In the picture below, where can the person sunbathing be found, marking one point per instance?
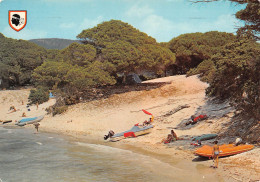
(13, 109)
(194, 119)
(170, 138)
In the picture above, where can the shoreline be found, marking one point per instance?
(89, 122)
(182, 159)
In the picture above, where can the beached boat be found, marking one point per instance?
(204, 137)
(6, 121)
(133, 132)
(224, 150)
(26, 121)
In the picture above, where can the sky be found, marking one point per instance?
(161, 19)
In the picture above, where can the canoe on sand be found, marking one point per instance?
(6, 121)
(133, 132)
(224, 150)
(26, 121)
(204, 137)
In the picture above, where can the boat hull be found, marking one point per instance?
(136, 130)
(34, 120)
(224, 150)
(204, 137)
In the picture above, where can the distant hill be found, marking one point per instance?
(53, 43)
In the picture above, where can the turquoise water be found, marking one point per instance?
(44, 157)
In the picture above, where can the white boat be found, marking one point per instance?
(133, 132)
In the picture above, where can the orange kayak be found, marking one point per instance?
(224, 150)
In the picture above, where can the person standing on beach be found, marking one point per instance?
(36, 126)
(215, 153)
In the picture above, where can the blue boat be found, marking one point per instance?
(26, 121)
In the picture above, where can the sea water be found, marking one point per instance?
(44, 157)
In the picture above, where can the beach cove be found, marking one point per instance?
(89, 122)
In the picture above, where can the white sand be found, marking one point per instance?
(120, 112)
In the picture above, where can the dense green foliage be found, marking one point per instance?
(113, 30)
(191, 49)
(108, 50)
(233, 72)
(38, 95)
(236, 75)
(59, 110)
(18, 59)
(74, 67)
(125, 49)
(206, 70)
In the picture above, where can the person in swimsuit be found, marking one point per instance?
(36, 125)
(215, 153)
(174, 135)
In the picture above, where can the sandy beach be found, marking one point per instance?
(92, 120)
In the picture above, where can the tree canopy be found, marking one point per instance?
(18, 59)
(114, 30)
(191, 49)
(108, 49)
(126, 48)
(74, 66)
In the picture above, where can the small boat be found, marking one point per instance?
(26, 121)
(204, 137)
(224, 150)
(6, 121)
(133, 132)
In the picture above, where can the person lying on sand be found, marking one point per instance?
(169, 139)
(13, 109)
(23, 115)
(196, 144)
(195, 119)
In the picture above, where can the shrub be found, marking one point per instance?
(39, 95)
(59, 110)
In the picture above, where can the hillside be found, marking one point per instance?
(53, 43)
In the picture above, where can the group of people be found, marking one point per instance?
(215, 152)
(13, 109)
(170, 138)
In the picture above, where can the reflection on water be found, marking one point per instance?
(42, 157)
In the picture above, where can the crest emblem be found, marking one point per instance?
(17, 19)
